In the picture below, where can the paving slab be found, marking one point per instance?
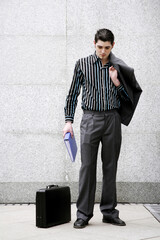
(18, 223)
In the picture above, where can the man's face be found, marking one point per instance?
(103, 49)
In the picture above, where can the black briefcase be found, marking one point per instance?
(53, 206)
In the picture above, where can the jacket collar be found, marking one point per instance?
(118, 63)
(114, 61)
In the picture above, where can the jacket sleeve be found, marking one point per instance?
(74, 91)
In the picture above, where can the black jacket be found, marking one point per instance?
(127, 78)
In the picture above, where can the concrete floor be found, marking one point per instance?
(17, 222)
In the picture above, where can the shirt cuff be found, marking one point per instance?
(68, 118)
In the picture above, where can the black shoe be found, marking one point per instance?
(80, 223)
(115, 221)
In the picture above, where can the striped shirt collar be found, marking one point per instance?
(113, 60)
(97, 59)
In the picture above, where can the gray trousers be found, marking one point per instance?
(96, 127)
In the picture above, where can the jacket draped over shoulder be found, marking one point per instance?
(127, 78)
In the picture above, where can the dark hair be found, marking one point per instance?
(104, 35)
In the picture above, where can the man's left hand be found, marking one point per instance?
(113, 75)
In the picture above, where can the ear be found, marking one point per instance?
(113, 44)
(94, 43)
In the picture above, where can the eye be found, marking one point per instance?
(107, 48)
(99, 47)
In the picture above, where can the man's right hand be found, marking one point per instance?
(68, 128)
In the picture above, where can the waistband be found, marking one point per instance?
(100, 112)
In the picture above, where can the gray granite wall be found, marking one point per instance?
(40, 40)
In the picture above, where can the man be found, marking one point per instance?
(110, 94)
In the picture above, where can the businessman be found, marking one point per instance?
(110, 94)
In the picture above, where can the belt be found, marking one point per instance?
(100, 112)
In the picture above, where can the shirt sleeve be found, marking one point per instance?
(122, 93)
(74, 91)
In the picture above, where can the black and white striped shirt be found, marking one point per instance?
(98, 91)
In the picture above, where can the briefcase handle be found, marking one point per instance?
(51, 186)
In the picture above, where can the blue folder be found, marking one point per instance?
(71, 146)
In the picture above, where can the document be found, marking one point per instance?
(71, 146)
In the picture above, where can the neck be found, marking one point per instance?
(104, 61)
